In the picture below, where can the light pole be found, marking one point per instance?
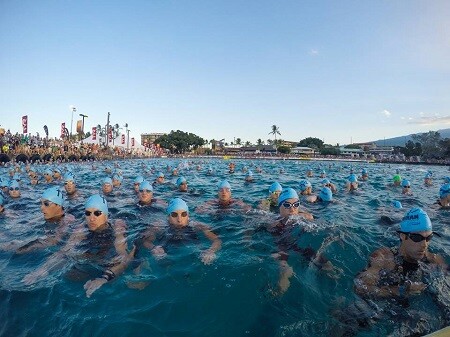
(128, 134)
(82, 125)
(74, 109)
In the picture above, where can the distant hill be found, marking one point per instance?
(400, 141)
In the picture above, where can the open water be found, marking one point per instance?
(233, 296)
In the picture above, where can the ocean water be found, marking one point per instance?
(234, 296)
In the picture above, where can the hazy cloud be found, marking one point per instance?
(431, 120)
(386, 113)
(313, 52)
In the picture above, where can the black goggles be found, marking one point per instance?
(96, 213)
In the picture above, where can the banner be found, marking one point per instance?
(24, 124)
(123, 139)
(110, 134)
(79, 126)
(94, 133)
(63, 128)
(132, 142)
(46, 130)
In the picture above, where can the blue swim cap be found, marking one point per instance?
(303, 184)
(288, 193)
(364, 171)
(447, 180)
(138, 180)
(275, 187)
(428, 175)
(397, 204)
(16, 176)
(107, 180)
(224, 184)
(98, 202)
(352, 178)
(48, 171)
(326, 181)
(177, 204)
(444, 190)
(160, 175)
(326, 194)
(13, 184)
(53, 194)
(249, 173)
(69, 177)
(405, 183)
(415, 220)
(181, 180)
(4, 182)
(145, 185)
(117, 177)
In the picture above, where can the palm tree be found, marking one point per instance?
(238, 141)
(259, 142)
(275, 131)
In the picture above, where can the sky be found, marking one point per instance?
(341, 71)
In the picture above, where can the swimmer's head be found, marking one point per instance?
(138, 180)
(96, 201)
(224, 184)
(444, 191)
(352, 178)
(107, 181)
(287, 193)
(69, 177)
(326, 194)
(181, 180)
(303, 185)
(145, 186)
(397, 204)
(326, 181)
(406, 183)
(177, 204)
(415, 220)
(397, 178)
(275, 187)
(53, 194)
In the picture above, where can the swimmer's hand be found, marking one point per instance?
(92, 285)
(158, 252)
(208, 256)
(35, 276)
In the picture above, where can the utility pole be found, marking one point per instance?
(128, 134)
(74, 109)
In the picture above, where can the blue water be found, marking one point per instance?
(233, 296)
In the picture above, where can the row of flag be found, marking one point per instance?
(63, 131)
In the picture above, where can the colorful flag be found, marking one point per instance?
(63, 129)
(132, 142)
(24, 124)
(123, 139)
(94, 133)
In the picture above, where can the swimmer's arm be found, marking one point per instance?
(48, 241)
(264, 205)
(56, 260)
(438, 260)
(216, 242)
(306, 214)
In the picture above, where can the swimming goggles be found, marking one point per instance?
(287, 204)
(416, 237)
(96, 213)
(175, 214)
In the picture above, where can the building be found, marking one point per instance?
(303, 151)
(149, 138)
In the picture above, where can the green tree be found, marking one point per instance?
(314, 143)
(284, 149)
(238, 141)
(411, 149)
(430, 143)
(179, 141)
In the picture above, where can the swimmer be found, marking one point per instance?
(180, 228)
(137, 181)
(398, 272)
(69, 184)
(444, 196)
(103, 244)
(330, 185)
(249, 177)
(305, 187)
(364, 175)
(428, 181)
(182, 184)
(352, 183)
(271, 202)
(224, 200)
(107, 186)
(406, 187)
(325, 195)
(146, 196)
(14, 189)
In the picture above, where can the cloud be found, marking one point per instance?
(386, 113)
(313, 52)
(431, 120)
